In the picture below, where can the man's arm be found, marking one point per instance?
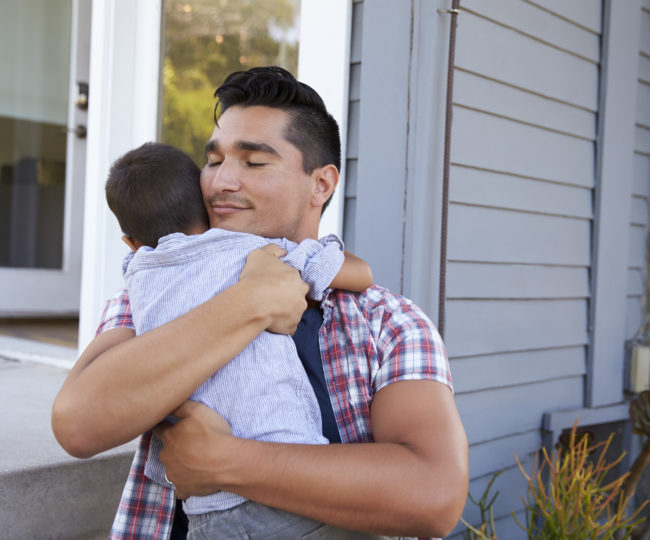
(122, 385)
(411, 481)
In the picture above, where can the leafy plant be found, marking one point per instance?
(486, 530)
(569, 496)
(575, 502)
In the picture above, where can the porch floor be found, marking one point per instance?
(54, 331)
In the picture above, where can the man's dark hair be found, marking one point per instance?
(311, 129)
(154, 191)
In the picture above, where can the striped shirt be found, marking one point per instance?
(263, 393)
(368, 340)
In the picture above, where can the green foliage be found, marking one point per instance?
(570, 496)
(576, 502)
(486, 530)
(206, 40)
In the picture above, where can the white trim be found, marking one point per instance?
(324, 64)
(123, 112)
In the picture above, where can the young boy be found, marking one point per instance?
(177, 263)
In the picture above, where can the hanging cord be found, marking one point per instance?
(454, 11)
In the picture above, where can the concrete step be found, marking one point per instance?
(44, 492)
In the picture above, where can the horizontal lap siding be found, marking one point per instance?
(641, 184)
(520, 220)
(492, 326)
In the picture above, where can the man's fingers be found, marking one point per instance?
(185, 410)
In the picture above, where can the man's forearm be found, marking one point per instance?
(412, 481)
(126, 384)
(380, 488)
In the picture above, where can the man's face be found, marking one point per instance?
(254, 181)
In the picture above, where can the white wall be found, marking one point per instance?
(323, 57)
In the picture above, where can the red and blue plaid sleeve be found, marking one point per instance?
(411, 349)
(146, 509)
(117, 313)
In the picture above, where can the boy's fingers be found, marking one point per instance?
(186, 409)
(161, 429)
(274, 249)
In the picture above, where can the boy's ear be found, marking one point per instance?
(132, 243)
(326, 180)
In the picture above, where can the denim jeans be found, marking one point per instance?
(255, 521)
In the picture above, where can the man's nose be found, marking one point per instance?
(225, 177)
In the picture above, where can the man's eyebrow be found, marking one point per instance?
(211, 146)
(257, 147)
(249, 146)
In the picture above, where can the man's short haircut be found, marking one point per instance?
(154, 190)
(311, 129)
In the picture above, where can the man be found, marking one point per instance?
(376, 362)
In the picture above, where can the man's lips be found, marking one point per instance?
(226, 208)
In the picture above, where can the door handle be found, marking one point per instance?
(80, 131)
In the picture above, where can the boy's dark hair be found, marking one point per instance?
(154, 191)
(311, 129)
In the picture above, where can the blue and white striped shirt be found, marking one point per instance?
(263, 393)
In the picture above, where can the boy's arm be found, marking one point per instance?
(355, 274)
(123, 384)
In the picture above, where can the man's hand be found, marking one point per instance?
(189, 445)
(282, 292)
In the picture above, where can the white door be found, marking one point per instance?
(44, 57)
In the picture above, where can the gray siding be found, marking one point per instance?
(351, 154)
(641, 182)
(526, 100)
(526, 204)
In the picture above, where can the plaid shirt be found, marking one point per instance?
(367, 341)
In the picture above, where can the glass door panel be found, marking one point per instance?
(43, 61)
(33, 115)
(204, 41)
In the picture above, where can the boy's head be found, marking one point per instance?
(311, 129)
(154, 191)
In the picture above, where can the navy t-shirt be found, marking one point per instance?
(306, 340)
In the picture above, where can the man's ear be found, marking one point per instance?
(131, 242)
(325, 181)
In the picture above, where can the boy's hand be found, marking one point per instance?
(279, 290)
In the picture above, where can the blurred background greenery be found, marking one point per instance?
(206, 40)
